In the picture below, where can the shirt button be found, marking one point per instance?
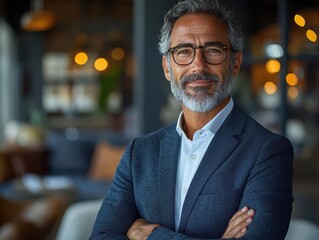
(185, 190)
(193, 156)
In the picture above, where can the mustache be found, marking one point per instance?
(199, 76)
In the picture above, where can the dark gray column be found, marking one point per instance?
(283, 17)
(31, 54)
(150, 85)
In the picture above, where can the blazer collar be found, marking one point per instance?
(224, 142)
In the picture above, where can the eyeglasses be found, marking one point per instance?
(214, 53)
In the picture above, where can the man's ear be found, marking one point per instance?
(165, 66)
(237, 63)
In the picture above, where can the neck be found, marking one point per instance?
(194, 121)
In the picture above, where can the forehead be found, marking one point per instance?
(198, 28)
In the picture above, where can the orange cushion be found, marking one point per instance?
(106, 158)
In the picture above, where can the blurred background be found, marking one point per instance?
(80, 78)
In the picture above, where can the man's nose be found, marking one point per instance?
(199, 61)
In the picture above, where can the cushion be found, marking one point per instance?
(106, 158)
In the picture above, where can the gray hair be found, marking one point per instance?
(212, 7)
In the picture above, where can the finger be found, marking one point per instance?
(135, 225)
(233, 221)
(241, 228)
(239, 223)
(241, 233)
(237, 231)
(241, 217)
(240, 212)
(138, 222)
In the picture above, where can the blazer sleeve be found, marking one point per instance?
(269, 190)
(118, 210)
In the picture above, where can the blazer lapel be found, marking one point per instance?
(169, 152)
(224, 142)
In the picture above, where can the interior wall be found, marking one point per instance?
(150, 86)
(8, 77)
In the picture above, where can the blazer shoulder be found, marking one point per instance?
(158, 135)
(264, 135)
(255, 129)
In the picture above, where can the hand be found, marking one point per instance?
(140, 230)
(237, 226)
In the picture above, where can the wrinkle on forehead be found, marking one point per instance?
(199, 28)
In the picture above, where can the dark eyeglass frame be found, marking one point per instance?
(225, 47)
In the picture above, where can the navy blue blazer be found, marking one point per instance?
(245, 164)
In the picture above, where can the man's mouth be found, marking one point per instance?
(199, 80)
(199, 83)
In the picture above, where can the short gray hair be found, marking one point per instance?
(212, 7)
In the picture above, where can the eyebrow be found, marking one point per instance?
(206, 43)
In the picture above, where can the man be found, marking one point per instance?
(217, 173)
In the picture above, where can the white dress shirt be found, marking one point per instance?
(191, 154)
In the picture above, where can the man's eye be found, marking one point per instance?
(183, 51)
(213, 51)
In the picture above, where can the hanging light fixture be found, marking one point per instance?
(37, 19)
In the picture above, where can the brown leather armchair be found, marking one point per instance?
(31, 219)
(36, 218)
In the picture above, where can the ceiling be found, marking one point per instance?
(96, 17)
(69, 11)
(255, 13)
(99, 19)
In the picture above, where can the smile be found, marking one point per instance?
(199, 83)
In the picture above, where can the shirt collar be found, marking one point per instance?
(214, 124)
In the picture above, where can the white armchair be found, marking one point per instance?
(302, 229)
(78, 220)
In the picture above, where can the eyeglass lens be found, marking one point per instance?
(213, 54)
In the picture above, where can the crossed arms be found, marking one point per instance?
(237, 227)
(266, 190)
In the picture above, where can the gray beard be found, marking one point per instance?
(202, 101)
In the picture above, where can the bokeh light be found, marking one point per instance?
(100, 64)
(270, 88)
(273, 66)
(292, 79)
(118, 53)
(274, 51)
(311, 35)
(299, 20)
(293, 92)
(81, 58)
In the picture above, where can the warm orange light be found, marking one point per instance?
(37, 20)
(273, 66)
(293, 92)
(311, 35)
(81, 58)
(118, 54)
(100, 64)
(292, 79)
(270, 88)
(299, 20)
